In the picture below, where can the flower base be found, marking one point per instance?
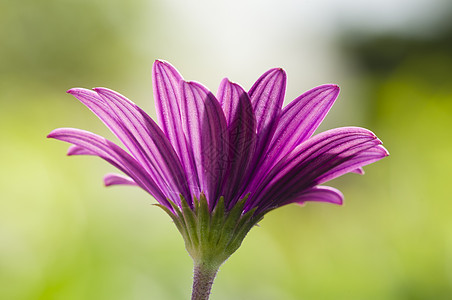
(210, 236)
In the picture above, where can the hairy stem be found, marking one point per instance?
(202, 281)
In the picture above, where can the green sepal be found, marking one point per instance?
(195, 205)
(211, 236)
(175, 219)
(203, 220)
(190, 222)
(231, 222)
(217, 221)
(243, 227)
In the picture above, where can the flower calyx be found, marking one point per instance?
(211, 236)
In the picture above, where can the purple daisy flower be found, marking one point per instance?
(218, 164)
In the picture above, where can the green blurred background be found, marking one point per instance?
(64, 236)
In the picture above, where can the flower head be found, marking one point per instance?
(217, 164)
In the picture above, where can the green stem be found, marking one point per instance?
(203, 277)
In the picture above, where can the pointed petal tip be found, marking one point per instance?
(194, 84)
(335, 88)
(72, 150)
(225, 80)
(100, 89)
(328, 86)
(322, 194)
(77, 150)
(111, 179)
(369, 132)
(274, 72)
(159, 63)
(385, 151)
(339, 201)
(105, 91)
(75, 91)
(51, 134)
(278, 70)
(359, 171)
(107, 181)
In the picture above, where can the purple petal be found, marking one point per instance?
(362, 159)
(359, 171)
(320, 194)
(150, 142)
(166, 94)
(77, 150)
(241, 124)
(99, 107)
(117, 179)
(299, 120)
(113, 154)
(166, 81)
(267, 97)
(301, 168)
(205, 128)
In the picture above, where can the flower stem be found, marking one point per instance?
(203, 276)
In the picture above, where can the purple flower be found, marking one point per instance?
(217, 164)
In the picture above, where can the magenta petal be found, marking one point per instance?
(267, 97)
(301, 168)
(359, 171)
(364, 158)
(150, 142)
(139, 134)
(299, 120)
(320, 194)
(77, 150)
(205, 128)
(166, 81)
(98, 106)
(117, 179)
(167, 98)
(112, 154)
(242, 137)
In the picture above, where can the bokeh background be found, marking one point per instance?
(64, 236)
